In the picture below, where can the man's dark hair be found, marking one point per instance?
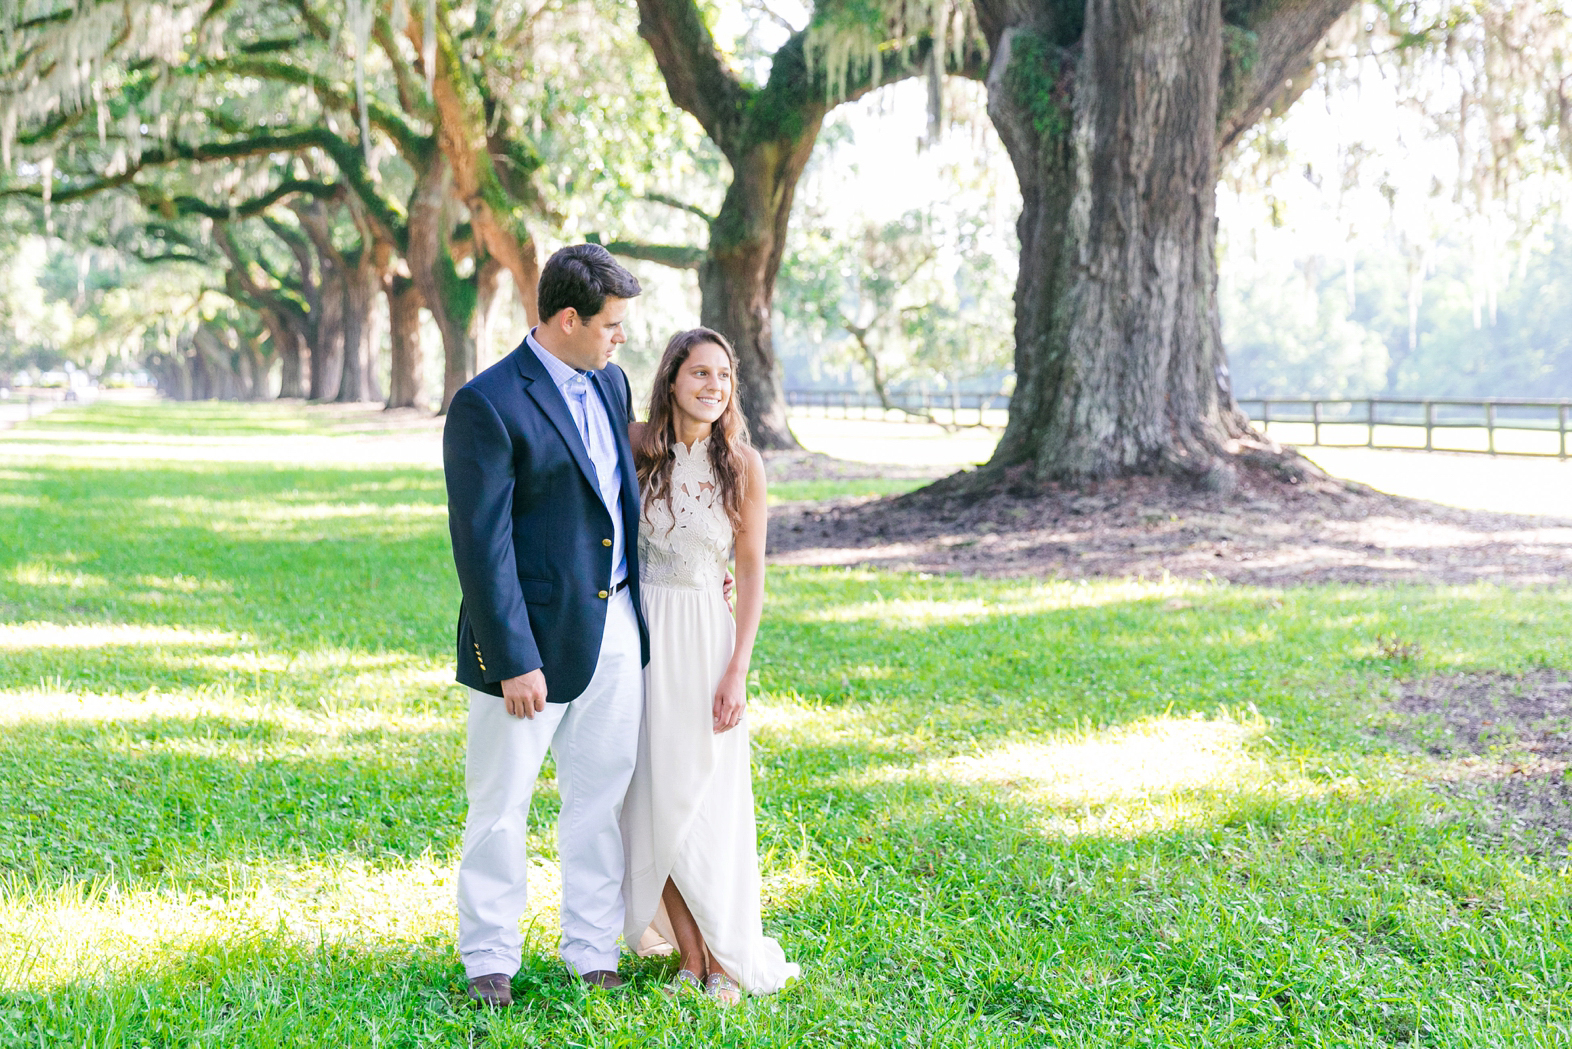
(582, 276)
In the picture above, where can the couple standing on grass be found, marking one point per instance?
(591, 551)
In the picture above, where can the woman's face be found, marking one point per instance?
(703, 386)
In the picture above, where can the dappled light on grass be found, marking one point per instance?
(53, 575)
(1010, 813)
(1152, 775)
(95, 928)
(32, 636)
(1020, 599)
(262, 516)
(194, 714)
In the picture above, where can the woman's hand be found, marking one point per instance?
(731, 699)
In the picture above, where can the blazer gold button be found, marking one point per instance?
(605, 542)
(604, 594)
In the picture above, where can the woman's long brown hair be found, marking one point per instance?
(653, 456)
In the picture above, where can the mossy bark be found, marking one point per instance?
(737, 277)
(449, 297)
(1111, 116)
(406, 359)
(767, 134)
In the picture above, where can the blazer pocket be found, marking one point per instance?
(537, 591)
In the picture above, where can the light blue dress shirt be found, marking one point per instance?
(589, 414)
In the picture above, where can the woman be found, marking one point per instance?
(687, 825)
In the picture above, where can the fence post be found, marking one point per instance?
(1430, 423)
(1315, 418)
(1490, 425)
(1370, 423)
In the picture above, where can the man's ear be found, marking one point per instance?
(568, 319)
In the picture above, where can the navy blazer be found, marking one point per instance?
(531, 534)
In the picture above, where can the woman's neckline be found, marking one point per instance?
(689, 449)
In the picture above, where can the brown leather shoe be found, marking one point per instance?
(605, 979)
(493, 989)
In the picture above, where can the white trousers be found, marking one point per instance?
(595, 741)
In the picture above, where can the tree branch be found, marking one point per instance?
(348, 158)
(189, 205)
(390, 123)
(674, 255)
(1270, 47)
(170, 256)
(695, 75)
(673, 202)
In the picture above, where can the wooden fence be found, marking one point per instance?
(947, 409)
(1491, 425)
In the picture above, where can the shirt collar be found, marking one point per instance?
(559, 370)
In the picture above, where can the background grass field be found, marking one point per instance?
(992, 813)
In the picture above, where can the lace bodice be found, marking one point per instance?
(685, 546)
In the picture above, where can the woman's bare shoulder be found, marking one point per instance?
(753, 462)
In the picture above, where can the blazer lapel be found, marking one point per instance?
(544, 392)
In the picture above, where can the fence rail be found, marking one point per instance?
(1490, 425)
(947, 409)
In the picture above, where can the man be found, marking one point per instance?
(543, 505)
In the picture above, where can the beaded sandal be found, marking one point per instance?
(685, 980)
(723, 989)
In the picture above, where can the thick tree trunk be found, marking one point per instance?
(295, 353)
(488, 281)
(737, 277)
(1119, 359)
(258, 368)
(214, 364)
(290, 348)
(362, 282)
(450, 298)
(331, 315)
(1113, 116)
(327, 337)
(462, 135)
(407, 361)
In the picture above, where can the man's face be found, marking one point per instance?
(590, 341)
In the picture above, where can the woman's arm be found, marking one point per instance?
(731, 697)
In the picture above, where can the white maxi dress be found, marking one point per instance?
(689, 810)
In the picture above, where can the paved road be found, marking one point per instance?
(16, 410)
(1508, 484)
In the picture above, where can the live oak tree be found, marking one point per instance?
(174, 100)
(767, 132)
(162, 107)
(1114, 113)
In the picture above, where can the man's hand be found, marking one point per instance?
(728, 588)
(525, 695)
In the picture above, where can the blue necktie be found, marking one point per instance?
(578, 386)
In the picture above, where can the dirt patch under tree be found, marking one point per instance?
(1263, 531)
(1506, 747)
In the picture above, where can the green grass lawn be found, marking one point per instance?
(800, 491)
(992, 813)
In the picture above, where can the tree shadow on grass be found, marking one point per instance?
(285, 559)
(146, 799)
(925, 898)
(938, 908)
